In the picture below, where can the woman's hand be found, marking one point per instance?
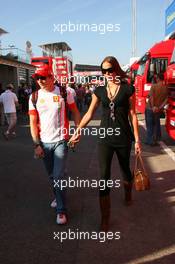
(39, 152)
(74, 139)
(138, 149)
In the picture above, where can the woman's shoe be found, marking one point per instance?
(128, 193)
(105, 212)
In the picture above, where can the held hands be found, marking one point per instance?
(74, 139)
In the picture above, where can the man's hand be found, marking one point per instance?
(39, 152)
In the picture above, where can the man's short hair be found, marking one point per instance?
(10, 86)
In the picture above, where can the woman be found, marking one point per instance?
(118, 105)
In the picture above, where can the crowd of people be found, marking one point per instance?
(82, 94)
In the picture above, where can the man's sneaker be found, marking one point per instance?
(53, 204)
(61, 219)
(6, 135)
(13, 134)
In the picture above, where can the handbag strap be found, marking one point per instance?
(139, 159)
(136, 161)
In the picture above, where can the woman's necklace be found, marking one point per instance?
(111, 97)
(111, 104)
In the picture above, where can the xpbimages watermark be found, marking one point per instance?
(85, 27)
(101, 132)
(81, 183)
(82, 235)
(63, 79)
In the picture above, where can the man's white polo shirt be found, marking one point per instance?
(8, 98)
(53, 121)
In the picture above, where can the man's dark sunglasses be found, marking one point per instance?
(39, 77)
(109, 70)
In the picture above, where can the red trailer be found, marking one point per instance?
(170, 113)
(132, 72)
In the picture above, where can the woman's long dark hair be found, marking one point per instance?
(116, 66)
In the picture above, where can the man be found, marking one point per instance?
(156, 101)
(70, 89)
(49, 129)
(2, 117)
(9, 101)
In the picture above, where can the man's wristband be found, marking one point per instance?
(36, 144)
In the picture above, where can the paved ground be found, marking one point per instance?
(27, 223)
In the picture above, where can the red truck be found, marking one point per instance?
(132, 72)
(170, 113)
(57, 57)
(153, 62)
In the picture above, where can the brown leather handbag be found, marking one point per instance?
(141, 179)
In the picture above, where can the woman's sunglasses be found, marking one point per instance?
(38, 77)
(109, 70)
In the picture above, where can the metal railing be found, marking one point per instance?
(15, 54)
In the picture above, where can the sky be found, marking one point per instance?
(40, 22)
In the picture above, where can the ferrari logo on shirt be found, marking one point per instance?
(56, 98)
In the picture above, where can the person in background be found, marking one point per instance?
(157, 99)
(118, 104)
(2, 117)
(88, 97)
(80, 97)
(21, 98)
(70, 88)
(9, 101)
(1, 90)
(26, 92)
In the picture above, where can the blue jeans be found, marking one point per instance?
(55, 163)
(157, 127)
(153, 128)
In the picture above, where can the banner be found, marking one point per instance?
(170, 19)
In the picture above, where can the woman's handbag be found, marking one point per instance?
(141, 179)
